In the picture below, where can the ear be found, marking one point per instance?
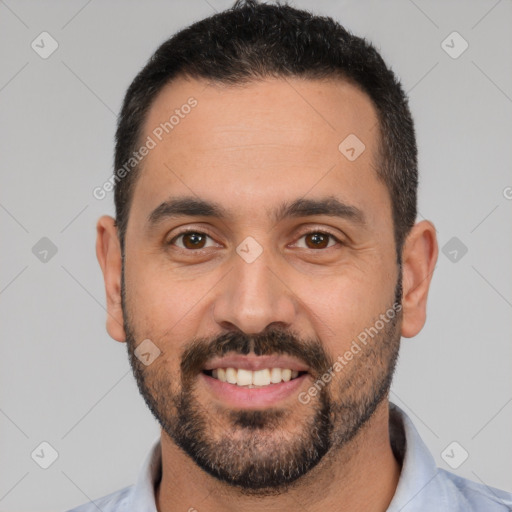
(108, 251)
(419, 257)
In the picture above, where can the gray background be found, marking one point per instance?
(64, 381)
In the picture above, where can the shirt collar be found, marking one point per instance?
(418, 466)
(143, 493)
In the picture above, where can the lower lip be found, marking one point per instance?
(251, 398)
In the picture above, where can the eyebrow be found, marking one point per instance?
(194, 207)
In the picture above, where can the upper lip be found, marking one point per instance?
(254, 362)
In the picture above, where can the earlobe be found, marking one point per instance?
(419, 257)
(108, 252)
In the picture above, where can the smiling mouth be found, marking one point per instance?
(254, 378)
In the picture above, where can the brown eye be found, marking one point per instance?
(194, 240)
(190, 240)
(318, 240)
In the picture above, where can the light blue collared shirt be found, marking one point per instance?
(422, 486)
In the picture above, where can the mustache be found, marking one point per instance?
(271, 341)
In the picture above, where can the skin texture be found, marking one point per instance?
(250, 148)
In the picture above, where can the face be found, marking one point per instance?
(256, 254)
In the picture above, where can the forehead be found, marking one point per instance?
(259, 142)
(315, 112)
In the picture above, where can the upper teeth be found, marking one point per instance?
(263, 377)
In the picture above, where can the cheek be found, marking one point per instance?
(155, 296)
(166, 310)
(347, 305)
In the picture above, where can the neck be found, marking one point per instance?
(362, 475)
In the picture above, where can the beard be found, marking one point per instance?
(264, 451)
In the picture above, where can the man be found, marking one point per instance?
(262, 267)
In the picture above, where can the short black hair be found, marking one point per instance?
(253, 41)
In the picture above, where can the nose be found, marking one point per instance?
(255, 295)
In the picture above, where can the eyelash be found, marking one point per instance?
(195, 231)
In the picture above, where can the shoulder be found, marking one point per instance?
(114, 502)
(473, 496)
